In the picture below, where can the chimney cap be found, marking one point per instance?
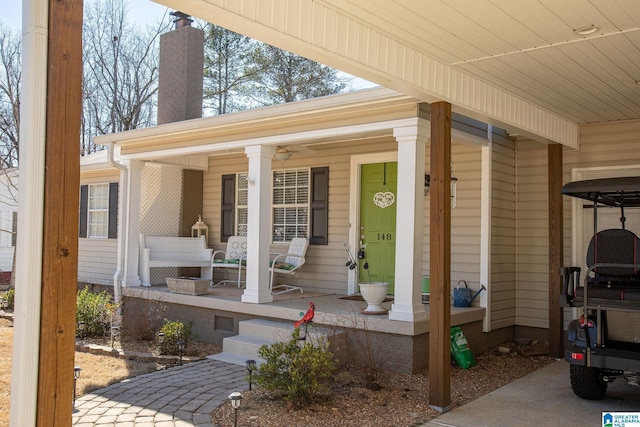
(182, 19)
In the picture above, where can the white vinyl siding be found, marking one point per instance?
(97, 260)
(503, 231)
(324, 269)
(602, 145)
(97, 257)
(533, 236)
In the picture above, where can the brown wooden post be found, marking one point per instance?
(556, 336)
(60, 233)
(440, 258)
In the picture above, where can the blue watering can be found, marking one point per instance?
(463, 296)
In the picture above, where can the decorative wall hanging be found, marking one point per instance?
(385, 198)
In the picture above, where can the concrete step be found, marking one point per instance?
(266, 329)
(279, 330)
(255, 333)
(244, 346)
(233, 358)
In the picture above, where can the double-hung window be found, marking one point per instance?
(242, 210)
(299, 205)
(290, 205)
(99, 210)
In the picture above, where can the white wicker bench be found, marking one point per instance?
(173, 252)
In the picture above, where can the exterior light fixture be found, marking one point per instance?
(181, 347)
(282, 155)
(76, 375)
(427, 179)
(81, 326)
(200, 229)
(454, 184)
(586, 30)
(160, 336)
(251, 366)
(115, 332)
(454, 187)
(236, 399)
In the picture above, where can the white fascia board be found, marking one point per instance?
(281, 139)
(364, 98)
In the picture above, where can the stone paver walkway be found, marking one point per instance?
(177, 397)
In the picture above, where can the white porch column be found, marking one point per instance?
(485, 229)
(28, 262)
(407, 305)
(131, 223)
(259, 224)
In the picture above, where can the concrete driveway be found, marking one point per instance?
(543, 398)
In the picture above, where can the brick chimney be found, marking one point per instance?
(180, 73)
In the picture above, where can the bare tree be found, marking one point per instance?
(10, 76)
(121, 71)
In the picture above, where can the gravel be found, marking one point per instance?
(403, 399)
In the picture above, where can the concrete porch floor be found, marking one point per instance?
(331, 309)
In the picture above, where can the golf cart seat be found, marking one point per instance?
(613, 259)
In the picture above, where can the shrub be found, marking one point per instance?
(143, 317)
(174, 331)
(296, 370)
(96, 310)
(10, 296)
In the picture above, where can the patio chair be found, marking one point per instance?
(288, 263)
(233, 258)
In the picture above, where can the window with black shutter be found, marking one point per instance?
(227, 216)
(99, 211)
(300, 205)
(319, 207)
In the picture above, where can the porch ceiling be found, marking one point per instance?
(517, 64)
(528, 48)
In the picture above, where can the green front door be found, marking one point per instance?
(379, 184)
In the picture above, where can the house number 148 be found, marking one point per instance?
(384, 236)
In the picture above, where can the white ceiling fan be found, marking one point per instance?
(286, 151)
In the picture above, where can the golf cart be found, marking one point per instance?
(604, 341)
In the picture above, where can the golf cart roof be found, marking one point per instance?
(622, 191)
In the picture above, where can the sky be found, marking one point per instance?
(149, 11)
(12, 12)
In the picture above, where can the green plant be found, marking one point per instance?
(296, 370)
(10, 296)
(174, 331)
(96, 310)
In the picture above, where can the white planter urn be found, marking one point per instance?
(374, 294)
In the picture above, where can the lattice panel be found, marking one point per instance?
(160, 209)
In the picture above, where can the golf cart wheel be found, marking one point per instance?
(587, 383)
